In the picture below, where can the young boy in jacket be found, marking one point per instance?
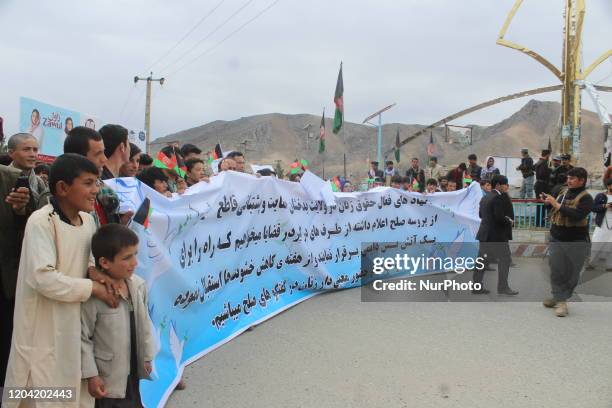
(52, 283)
(117, 344)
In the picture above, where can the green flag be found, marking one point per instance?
(339, 101)
(322, 134)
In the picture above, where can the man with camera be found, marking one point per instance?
(16, 204)
(569, 238)
(23, 150)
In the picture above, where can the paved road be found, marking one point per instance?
(335, 351)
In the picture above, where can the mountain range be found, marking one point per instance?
(268, 138)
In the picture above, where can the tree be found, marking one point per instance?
(278, 169)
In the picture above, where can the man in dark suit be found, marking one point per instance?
(494, 233)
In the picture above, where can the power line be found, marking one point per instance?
(134, 109)
(208, 35)
(226, 37)
(127, 100)
(186, 35)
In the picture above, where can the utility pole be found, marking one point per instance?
(149, 79)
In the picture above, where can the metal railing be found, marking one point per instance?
(532, 214)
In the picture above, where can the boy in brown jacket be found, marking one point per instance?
(117, 344)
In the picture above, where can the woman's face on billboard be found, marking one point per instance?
(35, 118)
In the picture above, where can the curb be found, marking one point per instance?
(529, 250)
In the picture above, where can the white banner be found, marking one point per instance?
(238, 250)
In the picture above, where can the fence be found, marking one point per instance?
(532, 214)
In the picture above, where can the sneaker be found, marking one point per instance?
(551, 302)
(561, 309)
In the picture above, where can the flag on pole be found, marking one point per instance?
(322, 134)
(431, 147)
(217, 154)
(143, 213)
(170, 163)
(339, 101)
(298, 166)
(397, 146)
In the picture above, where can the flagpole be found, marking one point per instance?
(323, 166)
(322, 140)
(342, 129)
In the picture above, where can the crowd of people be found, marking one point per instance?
(548, 175)
(73, 312)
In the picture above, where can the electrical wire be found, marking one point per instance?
(138, 101)
(127, 100)
(165, 68)
(226, 37)
(191, 30)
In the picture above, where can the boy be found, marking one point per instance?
(396, 181)
(156, 179)
(195, 172)
(116, 344)
(432, 186)
(51, 283)
(176, 183)
(485, 185)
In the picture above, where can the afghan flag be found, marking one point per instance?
(339, 101)
(143, 213)
(170, 163)
(336, 184)
(397, 146)
(431, 147)
(298, 166)
(322, 134)
(217, 154)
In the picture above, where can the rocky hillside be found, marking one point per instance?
(271, 137)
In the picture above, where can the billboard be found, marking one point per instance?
(50, 125)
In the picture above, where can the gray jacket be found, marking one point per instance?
(105, 339)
